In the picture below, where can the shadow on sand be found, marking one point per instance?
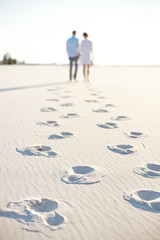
(31, 86)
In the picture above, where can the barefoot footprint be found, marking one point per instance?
(39, 150)
(120, 118)
(37, 214)
(52, 99)
(52, 89)
(101, 97)
(69, 115)
(67, 105)
(60, 136)
(149, 170)
(49, 123)
(135, 135)
(122, 149)
(148, 200)
(100, 110)
(82, 175)
(91, 101)
(108, 125)
(48, 109)
(110, 105)
(66, 96)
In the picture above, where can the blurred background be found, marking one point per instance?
(124, 32)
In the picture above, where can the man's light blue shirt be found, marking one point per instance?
(72, 46)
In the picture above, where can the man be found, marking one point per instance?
(73, 53)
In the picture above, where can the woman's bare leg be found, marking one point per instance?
(88, 72)
(84, 72)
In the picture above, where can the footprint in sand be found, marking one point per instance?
(38, 214)
(48, 109)
(55, 220)
(110, 105)
(61, 136)
(39, 150)
(148, 200)
(122, 149)
(135, 135)
(43, 205)
(67, 96)
(100, 110)
(67, 134)
(91, 101)
(52, 99)
(93, 94)
(69, 115)
(67, 91)
(120, 118)
(82, 175)
(49, 123)
(102, 97)
(52, 89)
(67, 105)
(108, 125)
(55, 136)
(149, 170)
(91, 89)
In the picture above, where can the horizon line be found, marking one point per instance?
(95, 65)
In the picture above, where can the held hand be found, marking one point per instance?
(78, 55)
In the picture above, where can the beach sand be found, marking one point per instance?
(79, 160)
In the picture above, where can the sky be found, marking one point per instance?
(123, 32)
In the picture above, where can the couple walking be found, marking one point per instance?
(80, 52)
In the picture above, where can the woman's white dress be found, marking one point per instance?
(85, 49)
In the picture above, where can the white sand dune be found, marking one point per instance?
(71, 170)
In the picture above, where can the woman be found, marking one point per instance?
(85, 58)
